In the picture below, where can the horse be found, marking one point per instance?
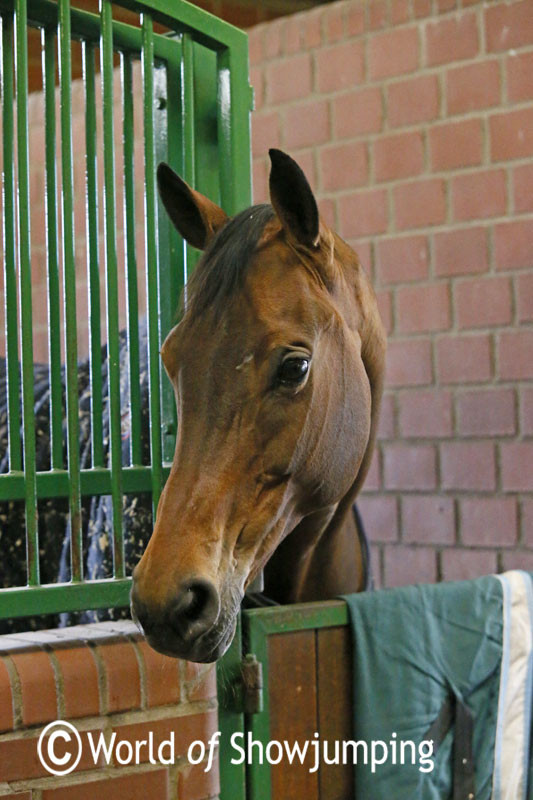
(277, 366)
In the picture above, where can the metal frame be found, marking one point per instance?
(197, 42)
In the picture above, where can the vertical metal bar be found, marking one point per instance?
(54, 301)
(234, 107)
(10, 265)
(69, 290)
(26, 323)
(189, 141)
(151, 257)
(113, 355)
(131, 260)
(93, 269)
(171, 273)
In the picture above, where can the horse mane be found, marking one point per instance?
(223, 265)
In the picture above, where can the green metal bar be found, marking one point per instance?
(189, 139)
(56, 597)
(297, 617)
(54, 299)
(94, 481)
(151, 258)
(170, 246)
(235, 101)
(26, 323)
(230, 718)
(258, 779)
(10, 263)
(113, 359)
(93, 267)
(69, 289)
(131, 260)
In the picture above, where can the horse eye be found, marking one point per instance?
(292, 371)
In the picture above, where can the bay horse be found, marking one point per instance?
(277, 367)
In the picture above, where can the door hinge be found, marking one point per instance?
(252, 684)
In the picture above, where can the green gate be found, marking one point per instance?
(195, 101)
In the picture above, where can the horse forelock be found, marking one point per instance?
(222, 267)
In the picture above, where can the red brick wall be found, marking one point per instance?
(414, 123)
(102, 678)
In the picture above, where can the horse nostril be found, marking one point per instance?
(196, 608)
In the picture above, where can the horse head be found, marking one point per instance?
(277, 369)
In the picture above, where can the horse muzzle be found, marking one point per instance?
(191, 626)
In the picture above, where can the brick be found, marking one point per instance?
(526, 412)
(136, 786)
(527, 523)
(508, 26)
(377, 15)
(326, 209)
(384, 299)
(452, 39)
(162, 676)
(357, 113)
(413, 100)
(463, 359)
(80, 681)
(488, 521)
(518, 559)
(194, 783)
(204, 687)
(515, 355)
(334, 24)
(483, 302)
(472, 87)
(355, 19)
(6, 699)
(339, 67)
(307, 124)
(363, 213)
(387, 417)
(343, 166)
(478, 195)
(512, 244)
(456, 144)
(468, 466)
(379, 515)
(460, 252)
(428, 519)
(311, 24)
(519, 71)
(399, 12)
(393, 53)
(425, 414)
(187, 728)
(511, 135)
(409, 466)
(458, 564)
(402, 259)
(419, 204)
(489, 412)
(288, 79)
(404, 565)
(408, 363)
(398, 156)
(421, 8)
(260, 181)
(522, 183)
(38, 686)
(265, 132)
(122, 676)
(423, 308)
(273, 39)
(516, 463)
(19, 759)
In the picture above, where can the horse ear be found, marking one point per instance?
(292, 199)
(194, 216)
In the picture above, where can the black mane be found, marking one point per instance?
(221, 269)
